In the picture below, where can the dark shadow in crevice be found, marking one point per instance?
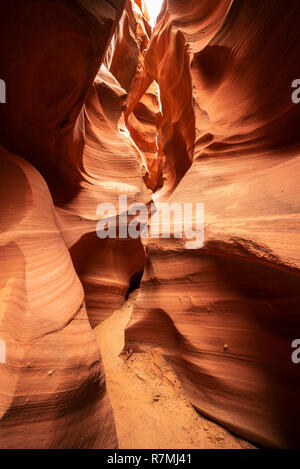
(134, 282)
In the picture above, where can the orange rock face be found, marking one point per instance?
(225, 316)
(198, 110)
(52, 386)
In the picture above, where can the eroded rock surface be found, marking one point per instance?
(52, 386)
(225, 316)
(198, 110)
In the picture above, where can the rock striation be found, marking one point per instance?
(52, 385)
(225, 316)
(199, 109)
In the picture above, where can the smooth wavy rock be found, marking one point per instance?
(52, 387)
(129, 42)
(142, 122)
(77, 137)
(111, 166)
(50, 53)
(124, 59)
(225, 315)
(88, 123)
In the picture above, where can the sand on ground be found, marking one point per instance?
(151, 410)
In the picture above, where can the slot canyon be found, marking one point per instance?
(140, 342)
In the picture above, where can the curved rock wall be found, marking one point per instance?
(85, 122)
(52, 386)
(225, 316)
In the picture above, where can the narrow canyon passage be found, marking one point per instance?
(110, 338)
(149, 404)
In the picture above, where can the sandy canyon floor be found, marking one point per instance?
(150, 407)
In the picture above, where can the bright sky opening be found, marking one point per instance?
(153, 7)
